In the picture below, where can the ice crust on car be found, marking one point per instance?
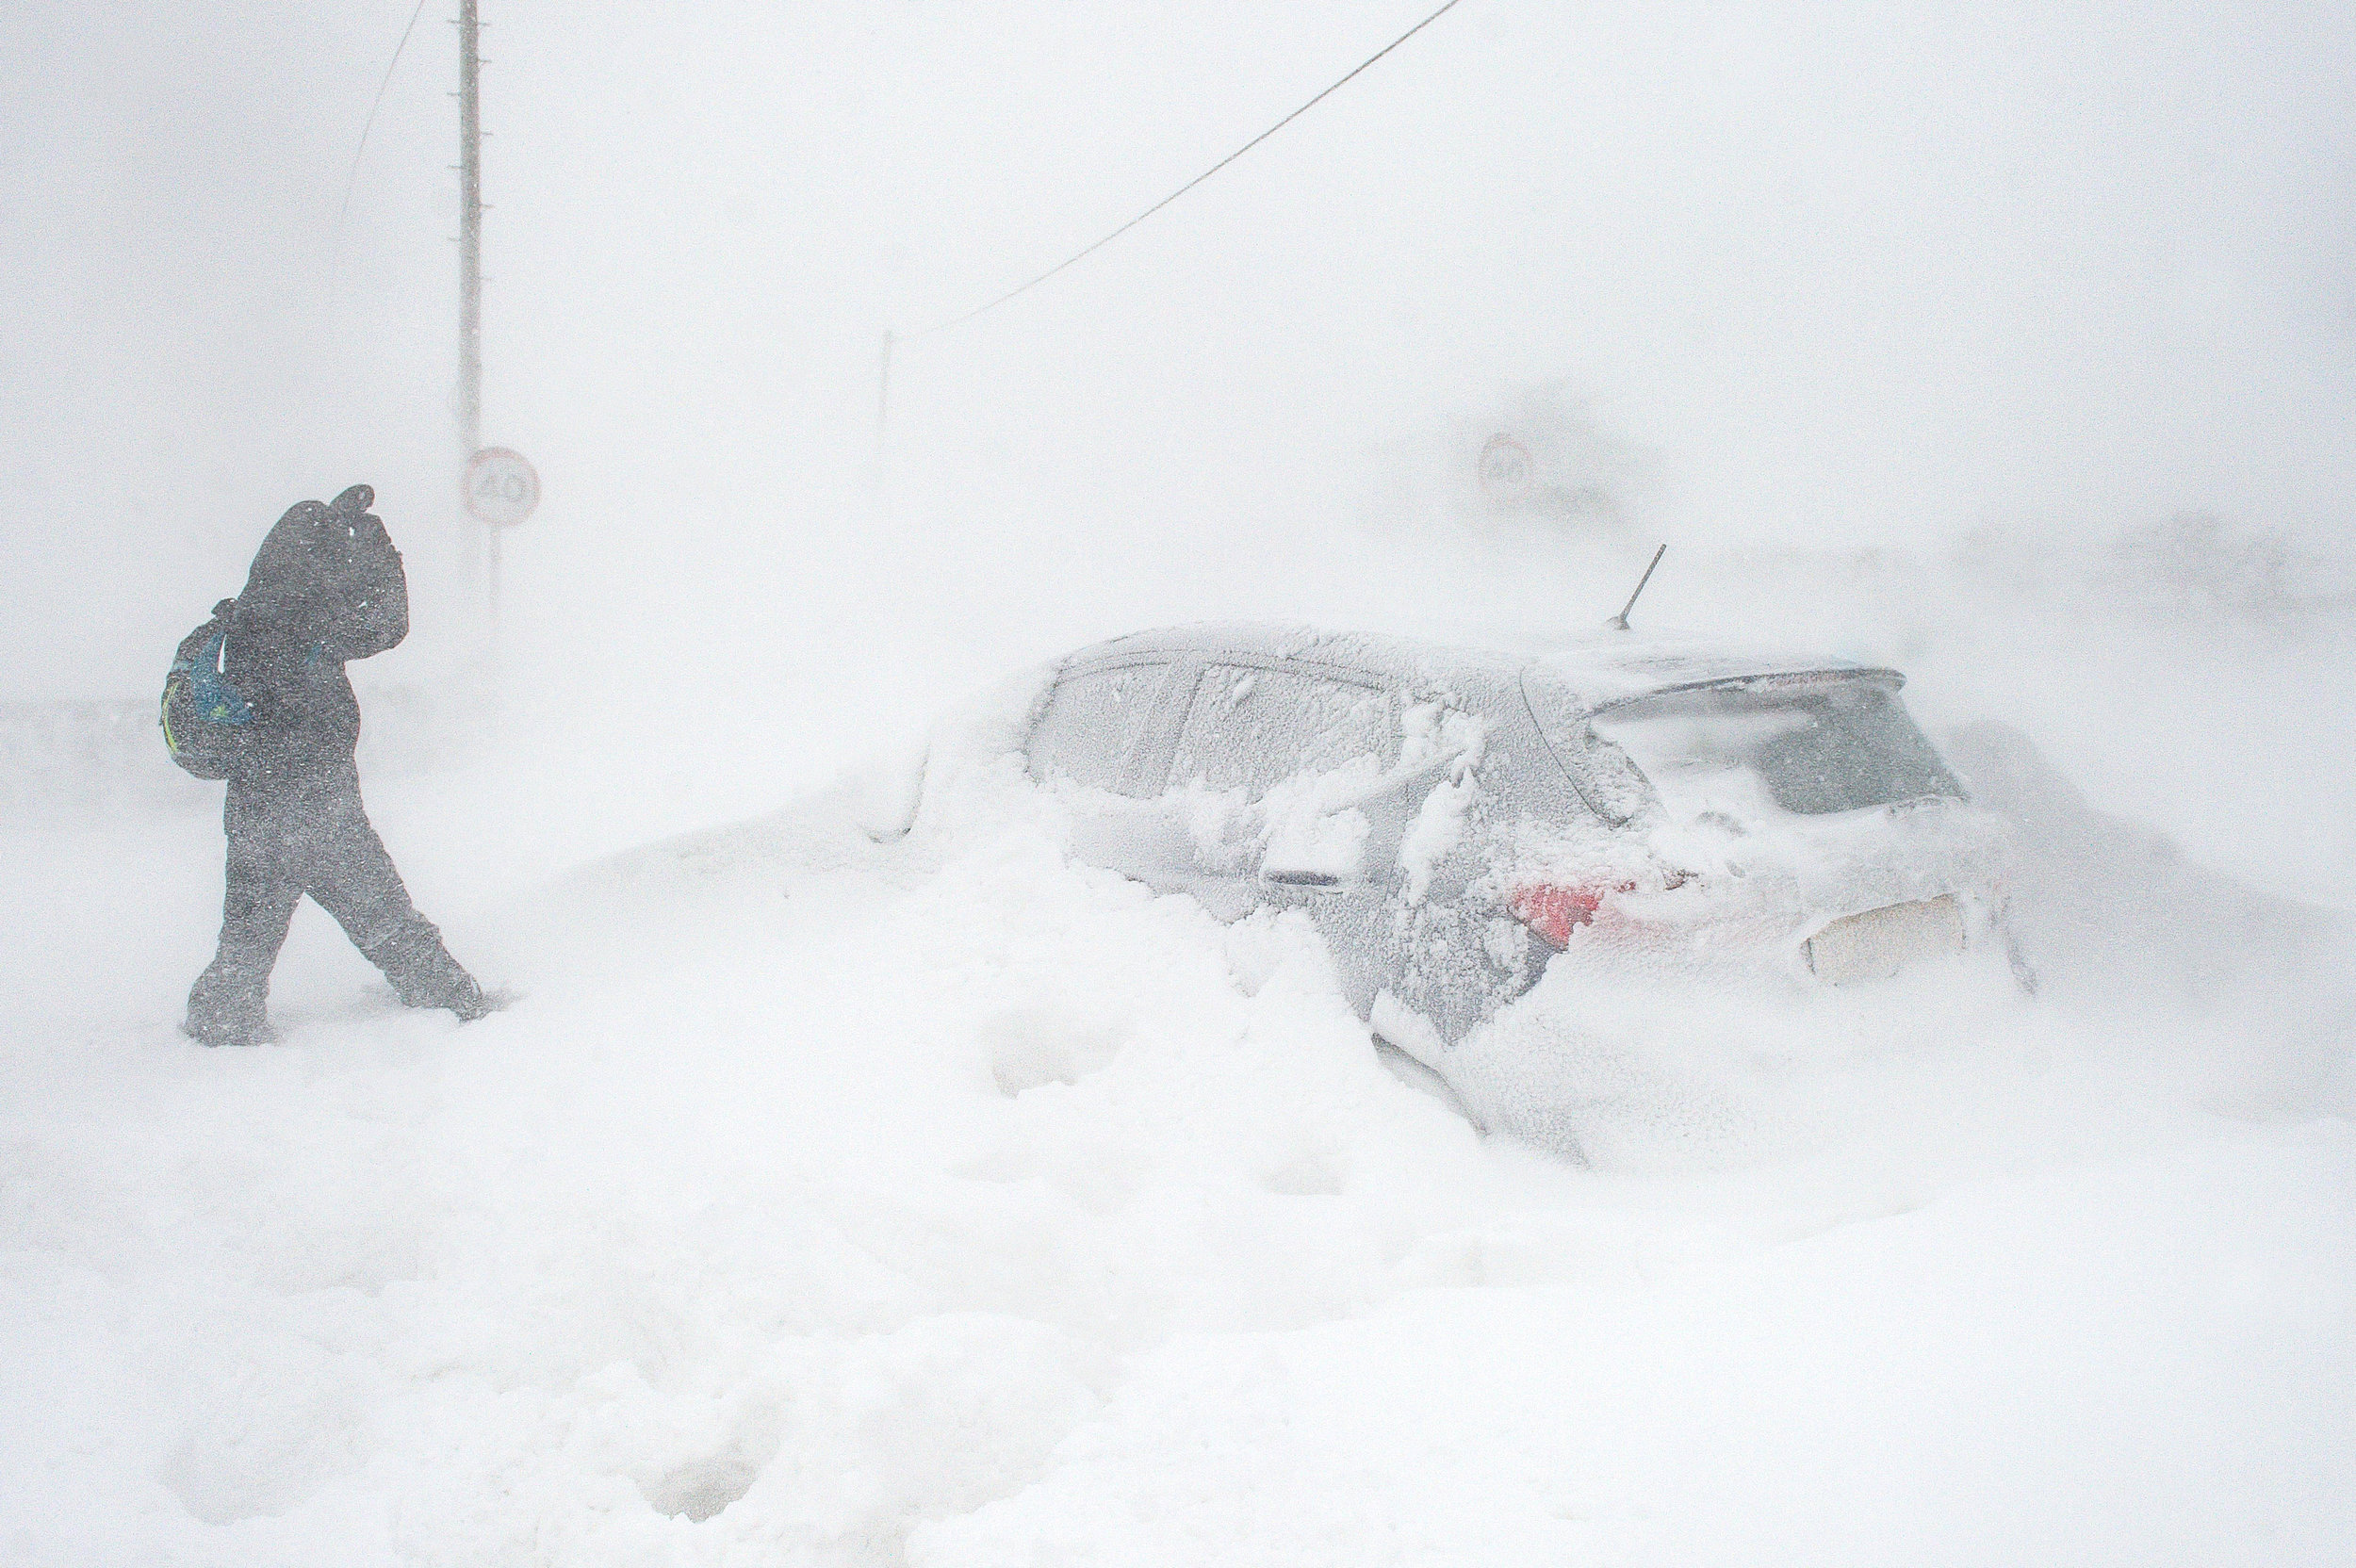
(1439, 797)
(1605, 667)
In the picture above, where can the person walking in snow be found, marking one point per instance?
(326, 587)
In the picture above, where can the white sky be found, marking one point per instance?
(1857, 274)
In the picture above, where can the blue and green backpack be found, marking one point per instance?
(203, 716)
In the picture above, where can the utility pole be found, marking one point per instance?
(470, 272)
(883, 417)
(469, 234)
(499, 487)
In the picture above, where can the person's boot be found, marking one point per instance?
(226, 1013)
(466, 998)
(425, 975)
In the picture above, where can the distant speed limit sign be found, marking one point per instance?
(501, 489)
(1506, 468)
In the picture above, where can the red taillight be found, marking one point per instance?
(1554, 912)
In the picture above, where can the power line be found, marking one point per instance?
(354, 182)
(1089, 250)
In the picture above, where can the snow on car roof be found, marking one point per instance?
(1601, 666)
(1612, 666)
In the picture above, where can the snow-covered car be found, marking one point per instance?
(1456, 820)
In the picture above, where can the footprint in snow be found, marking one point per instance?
(1029, 1048)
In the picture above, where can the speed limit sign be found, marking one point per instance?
(501, 488)
(1506, 468)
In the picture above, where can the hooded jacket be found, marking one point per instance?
(326, 587)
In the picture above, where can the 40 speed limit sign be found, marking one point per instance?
(501, 488)
(1506, 468)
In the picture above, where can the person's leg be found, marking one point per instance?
(346, 870)
(227, 1006)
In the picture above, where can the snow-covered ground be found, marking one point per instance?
(947, 1202)
(944, 1202)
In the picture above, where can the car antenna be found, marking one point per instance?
(1619, 622)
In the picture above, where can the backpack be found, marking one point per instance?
(204, 716)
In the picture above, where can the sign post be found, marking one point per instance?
(501, 491)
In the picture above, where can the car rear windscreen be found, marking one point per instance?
(1812, 749)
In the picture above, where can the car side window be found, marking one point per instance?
(1091, 723)
(1251, 730)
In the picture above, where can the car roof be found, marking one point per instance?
(1360, 650)
(1606, 667)
(1599, 668)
